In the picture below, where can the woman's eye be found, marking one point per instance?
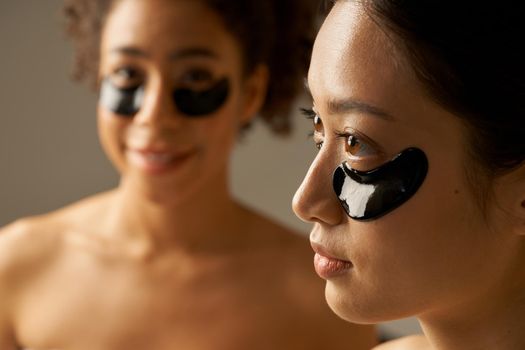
(318, 131)
(317, 126)
(358, 148)
(125, 77)
(197, 78)
(314, 117)
(126, 73)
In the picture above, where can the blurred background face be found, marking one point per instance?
(435, 250)
(163, 45)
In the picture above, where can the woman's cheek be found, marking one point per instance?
(111, 135)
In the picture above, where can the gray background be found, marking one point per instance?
(49, 151)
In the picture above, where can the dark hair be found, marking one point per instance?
(470, 58)
(278, 33)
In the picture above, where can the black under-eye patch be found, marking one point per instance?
(201, 103)
(368, 195)
(190, 103)
(122, 101)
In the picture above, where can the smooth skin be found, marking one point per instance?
(167, 260)
(439, 256)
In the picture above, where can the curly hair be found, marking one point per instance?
(277, 33)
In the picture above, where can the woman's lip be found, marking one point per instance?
(157, 161)
(155, 150)
(328, 266)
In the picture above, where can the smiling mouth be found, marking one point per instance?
(157, 161)
(155, 157)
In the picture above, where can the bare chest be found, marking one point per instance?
(123, 309)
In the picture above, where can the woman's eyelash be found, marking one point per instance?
(345, 135)
(309, 113)
(127, 72)
(354, 137)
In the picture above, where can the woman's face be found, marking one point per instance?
(431, 252)
(173, 95)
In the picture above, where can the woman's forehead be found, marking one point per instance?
(169, 23)
(354, 57)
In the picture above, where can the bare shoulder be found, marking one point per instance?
(25, 250)
(412, 342)
(28, 249)
(29, 244)
(269, 233)
(24, 243)
(290, 250)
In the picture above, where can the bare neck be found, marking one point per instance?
(207, 220)
(493, 320)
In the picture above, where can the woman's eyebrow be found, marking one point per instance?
(193, 52)
(183, 53)
(342, 106)
(130, 51)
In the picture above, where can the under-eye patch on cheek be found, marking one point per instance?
(122, 101)
(190, 103)
(201, 103)
(368, 195)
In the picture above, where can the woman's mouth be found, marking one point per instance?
(326, 265)
(157, 161)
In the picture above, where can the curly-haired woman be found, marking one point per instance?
(168, 259)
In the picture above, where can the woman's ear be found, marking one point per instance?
(255, 90)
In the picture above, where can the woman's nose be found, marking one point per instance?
(157, 106)
(315, 199)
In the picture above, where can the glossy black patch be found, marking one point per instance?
(201, 103)
(125, 102)
(368, 195)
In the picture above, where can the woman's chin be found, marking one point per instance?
(353, 308)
